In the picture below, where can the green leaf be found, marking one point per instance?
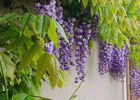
(68, 34)
(7, 34)
(119, 39)
(60, 29)
(126, 40)
(13, 26)
(28, 42)
(29, 98)
(85, 2)
(59, 83)
(136, 39)
(137, 2)
(63, 76)
(19, 42)
(14, 45)
(100, 13)
(111, 13)
(7, 65)
(26, 20)
(103, 29)
(102, 2)
(52, 34)
(92, 10)
(90, 44)
(123, 26)
(114, 16)
(27, 33)
(34, 27)
(133, 23)
(29, 85)
(42, 25)
(20, 96)
(112, 37)
(122, 11)
(107, 35)
(94, 2)
(135, 48)
(128, 23)
(111, 1)
(29, 55)
(47, 62)
(7, 17)
(47, 79)
(62, 79)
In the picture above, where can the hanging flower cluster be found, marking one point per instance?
(135, 81)
(83, 31)
(111, 59)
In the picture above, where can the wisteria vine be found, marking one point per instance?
(82, 34)
(63, 54)
(135, 81)
(67, 34)
(111, 59)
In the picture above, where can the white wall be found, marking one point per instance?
(95, 87)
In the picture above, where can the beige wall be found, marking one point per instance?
(95, 87)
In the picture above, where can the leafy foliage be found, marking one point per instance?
(29, 85)
(60, 29)
(118, 21)
(8, 16)
(20, 96)
(85, 2)
(49, 63)
(42, 25)
(23, 96)
(7, 65)
(26, 21)
(30, 54)
(135, 55)
(22, 54)
(52, 34)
